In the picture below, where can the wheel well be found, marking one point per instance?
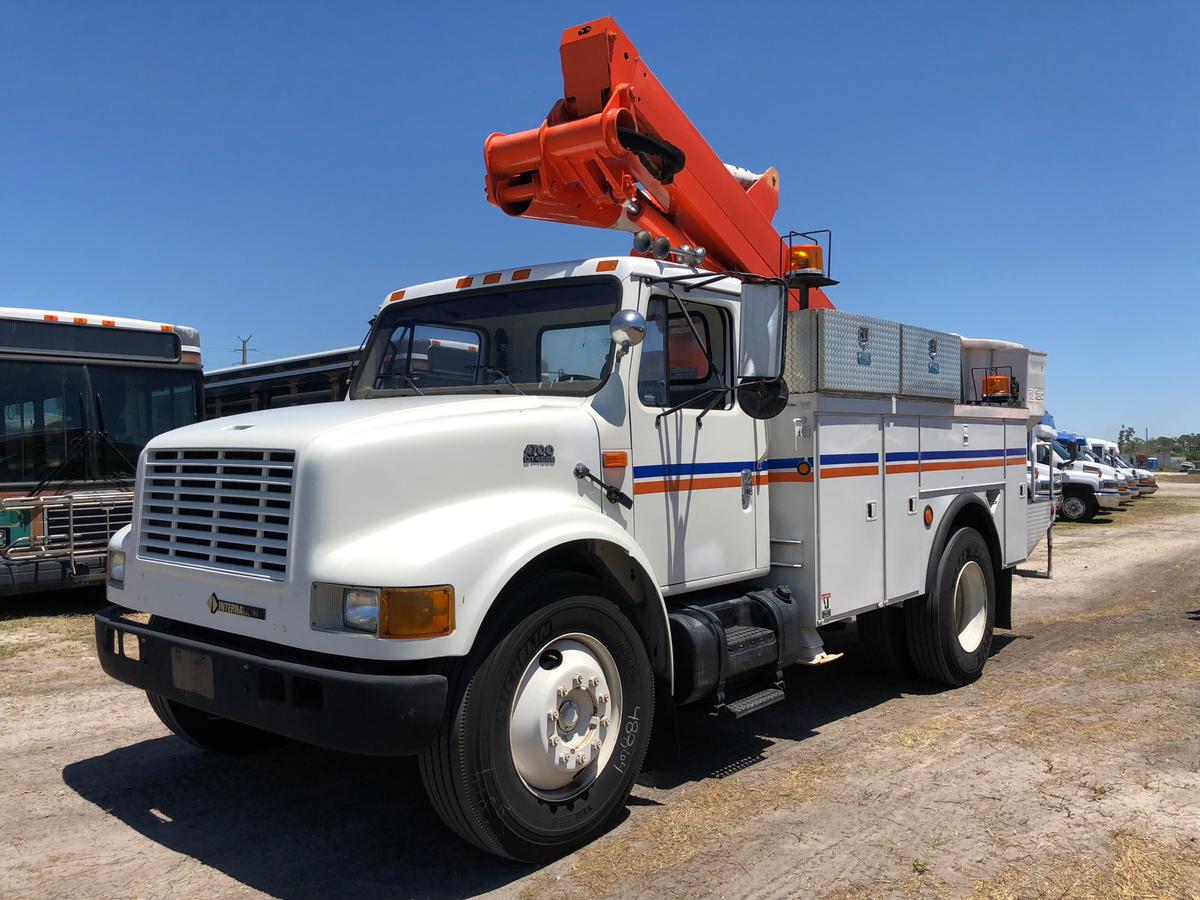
(626, 581)
(968, 511)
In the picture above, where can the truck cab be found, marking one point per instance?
(1104, 451)
(1087, 487)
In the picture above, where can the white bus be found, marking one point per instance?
(80, 396)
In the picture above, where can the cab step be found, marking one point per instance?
(751, 703)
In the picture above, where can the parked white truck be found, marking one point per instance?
(514, 576)
(613, 486)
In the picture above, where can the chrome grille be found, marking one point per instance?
(228, 510)
(89, 521)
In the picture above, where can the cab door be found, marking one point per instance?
(695, 452)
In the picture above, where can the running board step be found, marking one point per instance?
(751, 703)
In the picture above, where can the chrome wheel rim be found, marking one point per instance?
(1073, 507)
(565, 717)
(970, 606)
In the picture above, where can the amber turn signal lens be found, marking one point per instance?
(416, 612)
(615, 459)
(928, 516)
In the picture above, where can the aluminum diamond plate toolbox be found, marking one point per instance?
(930, 363)
(833, 351)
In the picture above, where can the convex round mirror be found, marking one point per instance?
(762, 398)
(628, 328)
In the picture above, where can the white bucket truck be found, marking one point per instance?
(595, 499)
(514, 576)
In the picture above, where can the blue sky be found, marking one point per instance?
(1029, 171)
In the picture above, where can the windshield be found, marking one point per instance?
(43, 413)
(71, 422)
(1059, 450)
(550, 338)
(134, 405)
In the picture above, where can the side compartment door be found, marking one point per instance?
(906, 543)
(849, 514)
(1016, 493)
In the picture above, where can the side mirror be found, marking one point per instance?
(763, 398)
(763, 319)
(628, 329)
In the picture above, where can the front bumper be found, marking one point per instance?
(323, 704)
(1109, 500)
(29, 575)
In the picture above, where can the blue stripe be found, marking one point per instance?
(676, 470)
(837, 459)
(903, 456)
(961, 454)
(1017, 451)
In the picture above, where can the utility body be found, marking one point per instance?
(561, 500)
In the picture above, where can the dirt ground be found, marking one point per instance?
(1071, 769)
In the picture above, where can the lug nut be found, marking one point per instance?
(562, 692)
(593, 681)
(579, 679)
(564, 759)
(604, 721)
(553, 740)
(553, 714)
(604, 698)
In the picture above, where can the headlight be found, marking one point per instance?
(116, 567)
(360, 608)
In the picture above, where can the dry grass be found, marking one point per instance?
(1129, 866)
(693, 821)
(25, 633)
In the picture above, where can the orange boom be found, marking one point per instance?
(617, 152)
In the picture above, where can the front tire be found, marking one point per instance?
(1079, 506)
(209, 732)
(549, 726)
(950, 629)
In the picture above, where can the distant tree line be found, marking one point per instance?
(1186, 446)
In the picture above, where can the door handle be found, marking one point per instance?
(747, 487)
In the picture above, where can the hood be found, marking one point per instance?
(297, 427)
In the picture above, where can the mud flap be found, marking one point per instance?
(1004, 583)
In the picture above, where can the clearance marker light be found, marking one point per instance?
(464, 282)
(928, 516)
(606, 265)
(50, 318)
(492, 278)
(395, 295)
(168, 328)
(108, 323)
(615, 459)
(521, 274)
(79, 320)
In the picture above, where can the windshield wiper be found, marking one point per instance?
(103, 432)
(411, 382)
(503, 373)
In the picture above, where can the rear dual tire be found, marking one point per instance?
(944, 636)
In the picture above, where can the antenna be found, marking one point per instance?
(245, 349)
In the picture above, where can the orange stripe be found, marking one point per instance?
(969, 464)
(1018, 460)
(685, 484)
(849, 471)
(901, 468)
(785, 475)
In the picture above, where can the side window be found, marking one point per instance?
(573, 352)
(675, 368)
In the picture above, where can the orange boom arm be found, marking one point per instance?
(617, 152)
